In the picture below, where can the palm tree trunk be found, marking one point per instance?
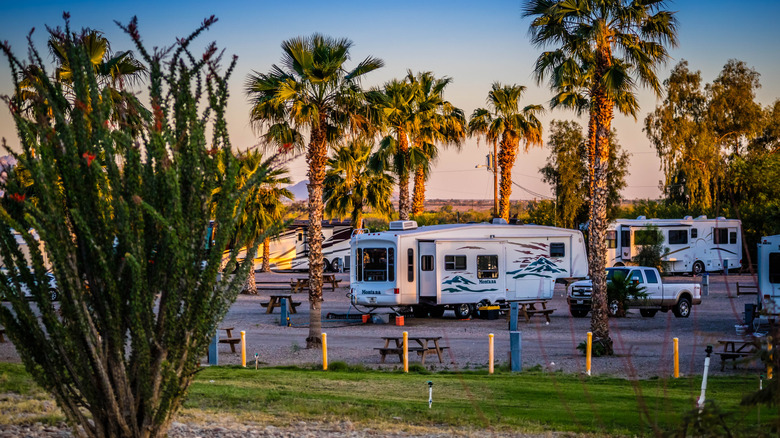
(403, 177)
(602, 112)
(267, 254)
(418, 199)
(506, 159)
(317, 158)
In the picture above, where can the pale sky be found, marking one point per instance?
(475, 43)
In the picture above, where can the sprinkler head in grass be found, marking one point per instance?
(430, 394)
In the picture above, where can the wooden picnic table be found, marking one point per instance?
(418, 344)
(734, 349)
(530, 308)
(229, 339)
(276, 301)
(299, 284)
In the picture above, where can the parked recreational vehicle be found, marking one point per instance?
(769, 273)
(694, 245)
(461, 266)
(290, 250)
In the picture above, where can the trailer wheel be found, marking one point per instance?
(326, 266)
(648, 313)
(463, 311)
(683, 308)
(436, 311)
(420, 311)
(698, 268)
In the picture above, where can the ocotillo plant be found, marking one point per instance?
(124, 215)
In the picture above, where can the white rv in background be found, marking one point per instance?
(769, 273)
(461, 266)
(694, 245)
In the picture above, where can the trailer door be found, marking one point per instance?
(426, 270)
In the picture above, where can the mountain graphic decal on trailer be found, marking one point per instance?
(541, 267)
(461, 284)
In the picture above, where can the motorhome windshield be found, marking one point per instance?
(375, 264)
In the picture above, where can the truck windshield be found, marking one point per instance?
(376, 264)
(621, 273)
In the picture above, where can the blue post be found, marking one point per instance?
(516, 351)
(513, 316)
(213, 349)
(283, 319)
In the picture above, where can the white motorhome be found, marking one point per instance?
(694, 245)
(769, 273)
(461, 266)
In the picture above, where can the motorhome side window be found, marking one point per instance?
(426, 263)
(720, 236)
(487, 266)
(678, 237)
(694, 233)
(454, 263)
(612, 239)
(646, 237)
(732, 237)
(375, 264)
(774, 267)
(557, 249)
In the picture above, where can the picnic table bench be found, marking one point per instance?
(275, 301)
(299, 284)
(734, 349)
(747, 289)
(229, 339)
(529, 309)
(417, 344)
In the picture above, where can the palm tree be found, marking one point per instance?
(601, 46)
(435, 121)
(350, 185)
(311, 91)
(393, 108)
(512, 124)
(261, 215)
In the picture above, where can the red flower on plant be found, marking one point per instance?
(286, 147)
(17, 197)
(89, 157)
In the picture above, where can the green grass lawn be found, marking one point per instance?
(528, 401)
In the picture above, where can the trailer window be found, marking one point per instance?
(390, 264)
(557, 249)
(774, 267)
(454, 263)
(720, 236)
(694, 233)
(625, 238)
(359, 264)
(375, 264)
(410, 262)
(487, 266)
(646, 237)
(612, 239)
(426, 263)
(678, 237)
(732, 237)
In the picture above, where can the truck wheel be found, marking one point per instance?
(683, 308)
(648, 313)
(420, 311)
(436, 311)
(578, 313)
(613, 308)
(463, 311)
(698, 268)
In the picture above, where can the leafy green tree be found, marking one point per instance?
(351, 185)
(313, 91)
(601, 46)
(621, 291)
(514, 124)
(567, 172)
(734, 114)
(124, 219)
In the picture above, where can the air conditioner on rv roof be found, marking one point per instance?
(402, 225)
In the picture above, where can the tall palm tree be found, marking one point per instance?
(311, 91)
(261, 215)
(351, 186)
(435, 121)
(506, 119)
(601, 46)
(393, 108)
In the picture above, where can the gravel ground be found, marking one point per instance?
(643, 347)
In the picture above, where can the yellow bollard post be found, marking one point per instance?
(406, 352)
(324, 351)
(769, 369)
(243, 348)
(490, 354)
(588, 352)
(676, 358)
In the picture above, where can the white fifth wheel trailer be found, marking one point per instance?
(769, 273)
(694, 245)
(461, 266)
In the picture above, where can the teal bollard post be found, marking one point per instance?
(516, 351)
(283, 319)
(214, 349)
(513, 316)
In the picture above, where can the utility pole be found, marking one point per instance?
(495, 179)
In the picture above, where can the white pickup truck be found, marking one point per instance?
(677, 297)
